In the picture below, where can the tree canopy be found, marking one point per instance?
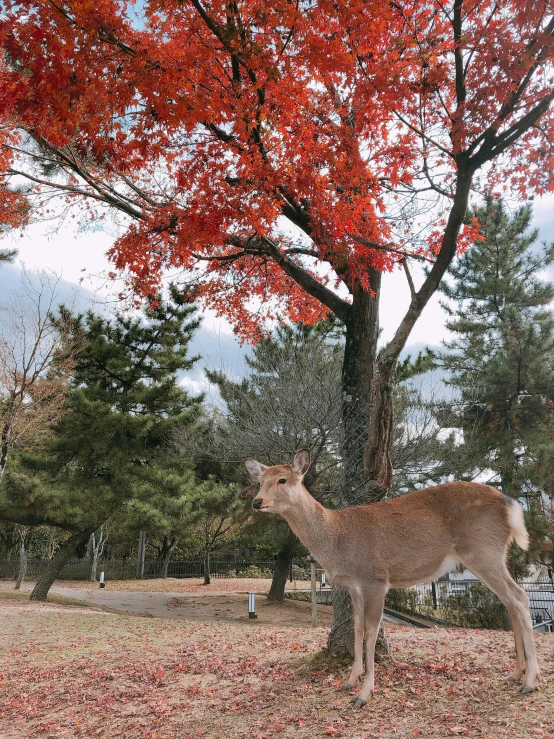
(208, 125)
(111, 444)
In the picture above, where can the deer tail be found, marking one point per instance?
(516, 522)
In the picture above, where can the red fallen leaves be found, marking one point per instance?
(127, 692)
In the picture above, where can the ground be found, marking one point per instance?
(186, 585)
(72, 671)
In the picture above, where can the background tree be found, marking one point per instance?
(36, 359)
(214, 511)
(501, 359)
(112, 443)
(289, 400)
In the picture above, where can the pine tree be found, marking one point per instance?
(111, 447)
(501, 359)
(290, 399)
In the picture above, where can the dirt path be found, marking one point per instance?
(208, 607)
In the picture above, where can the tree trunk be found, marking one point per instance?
(167, 550)
(95, 549)
(207, 578)
(93, 557)
(50, 547)
(281, 570)
(358, 384)
(6, 435)
(141, 552)
(55, 565)
(22, 558)
(362, 331)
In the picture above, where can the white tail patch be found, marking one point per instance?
(517, 524)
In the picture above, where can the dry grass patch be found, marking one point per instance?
(68, 672)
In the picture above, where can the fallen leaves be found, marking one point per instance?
(161, 679)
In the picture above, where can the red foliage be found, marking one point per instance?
(211, 124)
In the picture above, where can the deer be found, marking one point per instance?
(402, 541)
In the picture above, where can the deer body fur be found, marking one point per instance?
(396, 543)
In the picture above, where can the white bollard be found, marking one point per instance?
(102, 583)
(252, 605)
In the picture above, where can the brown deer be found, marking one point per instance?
(414, 538)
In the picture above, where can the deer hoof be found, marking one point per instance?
(526, 689)
(346, 687)
(359, 703)
(512, 679)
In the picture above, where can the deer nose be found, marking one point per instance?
(257, 503)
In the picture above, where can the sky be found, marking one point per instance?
(80, 258)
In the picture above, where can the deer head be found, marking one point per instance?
(281, 485)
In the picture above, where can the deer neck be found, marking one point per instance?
(313, 525)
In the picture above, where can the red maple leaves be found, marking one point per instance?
(268, 147)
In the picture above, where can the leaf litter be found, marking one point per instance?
(68, 673)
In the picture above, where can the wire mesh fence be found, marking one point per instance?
(126, 569)
(471, 604)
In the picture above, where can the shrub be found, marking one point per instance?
(477, 608)
(402, 600)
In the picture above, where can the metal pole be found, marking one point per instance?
(314, 595)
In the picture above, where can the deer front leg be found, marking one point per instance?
(358, 614)
(374, 602)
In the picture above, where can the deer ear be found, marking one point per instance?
(301, 462)
(256, 469)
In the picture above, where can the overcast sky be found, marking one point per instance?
(81, 257)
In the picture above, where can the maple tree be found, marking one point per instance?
(280, 151)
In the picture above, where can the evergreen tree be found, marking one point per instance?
(111, 446)
(501, 359)
(290, 399)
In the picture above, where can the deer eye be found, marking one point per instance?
(282, 481)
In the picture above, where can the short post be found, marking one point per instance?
(314, 594)
(102, 583)
(323, 579)
(252, 605)
(434, 594)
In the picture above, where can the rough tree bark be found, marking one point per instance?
(55, 565)
(22, 571)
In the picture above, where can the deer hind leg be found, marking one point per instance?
(358, 614)
(374, 601)
(496, 577)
